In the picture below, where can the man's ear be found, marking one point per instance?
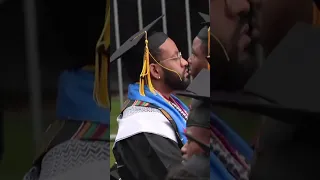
(155, 71)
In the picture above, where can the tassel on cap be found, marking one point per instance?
(208, 43)
(145, 78)
(101, 84)
(209, 34)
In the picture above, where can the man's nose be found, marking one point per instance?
(184, 62)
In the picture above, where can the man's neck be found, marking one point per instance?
(163, 89)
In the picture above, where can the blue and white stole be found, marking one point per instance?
(159, 101)
(75, 98)
(217, 170)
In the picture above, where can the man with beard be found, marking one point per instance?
(231, 65)
(152, 122)
(282, 15)
(232, 39)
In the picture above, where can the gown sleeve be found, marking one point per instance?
(146, 156)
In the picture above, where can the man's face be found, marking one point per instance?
(174, 66)
(197, 60)
(229, 23)
(191, 147)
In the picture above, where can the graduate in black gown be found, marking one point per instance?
(284, 89)
(152, 122)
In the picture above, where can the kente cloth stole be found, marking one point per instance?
(63, 130)
(129, 103)
(229, 157)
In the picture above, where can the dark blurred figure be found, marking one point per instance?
(275, 136)
(195, 168)
(1, 136)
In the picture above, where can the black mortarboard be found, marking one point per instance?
(133, 47)
(285, 87)
(133, 41)
(204, 33)
(199, 114)
(206, 18)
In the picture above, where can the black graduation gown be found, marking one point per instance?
(286, 151)
(146, 156)
(1, 136)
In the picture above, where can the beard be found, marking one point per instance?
(172, 80)
(234, 74)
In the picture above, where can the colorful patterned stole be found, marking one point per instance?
(130, 103)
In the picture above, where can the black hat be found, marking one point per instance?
(133, 41)
(204, 34)
(199, 114)
(206, 18)
(286, 84)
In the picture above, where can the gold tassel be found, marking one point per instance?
(208, 43)
(145, 78)
(101, 89)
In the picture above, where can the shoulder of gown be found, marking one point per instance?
(146, 156)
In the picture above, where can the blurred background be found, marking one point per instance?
(53, 36)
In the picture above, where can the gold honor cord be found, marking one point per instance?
(145, 77)
(208, 57)
(101, 89)
(223, 48)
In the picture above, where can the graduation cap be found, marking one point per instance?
(204, 33)
(199, 114)
(206, 18)
(285, 87)
(132, 41)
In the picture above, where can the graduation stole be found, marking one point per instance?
(159, 101)
(229, 152)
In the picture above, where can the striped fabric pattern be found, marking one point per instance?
(92, 131)
(129, 103)
(234, 162)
